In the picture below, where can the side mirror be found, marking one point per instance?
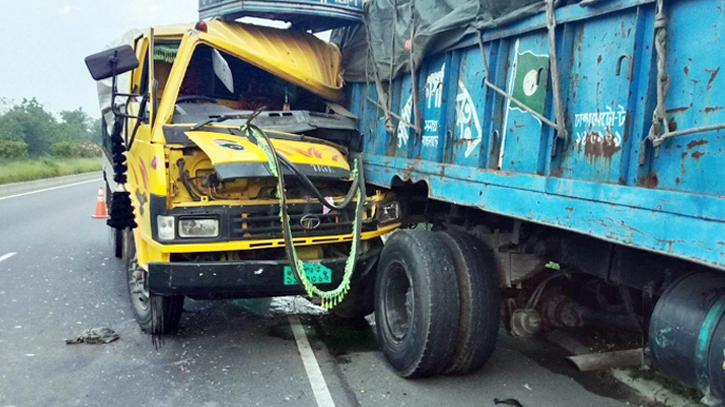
(114, 61)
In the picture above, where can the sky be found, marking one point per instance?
(43, 44)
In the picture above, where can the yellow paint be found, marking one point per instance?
(158, 252)
(296, 57)
(221, 150)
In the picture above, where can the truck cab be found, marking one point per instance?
(205, 192)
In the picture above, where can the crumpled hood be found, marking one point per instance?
(234, 156)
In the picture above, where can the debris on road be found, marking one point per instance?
(94, 336)
(508, 402)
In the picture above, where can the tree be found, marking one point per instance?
(29, 123)
(37, 126)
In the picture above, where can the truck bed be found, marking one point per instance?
(606, 180)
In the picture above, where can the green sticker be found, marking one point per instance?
(316, 273)
(531, 81)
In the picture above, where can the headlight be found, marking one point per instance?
(387, 212)
(198, 227)
(165, 226)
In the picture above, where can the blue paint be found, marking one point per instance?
(672, 204)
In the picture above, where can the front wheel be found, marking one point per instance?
(417, 303)
(155, 314)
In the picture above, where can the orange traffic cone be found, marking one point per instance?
(100, 206)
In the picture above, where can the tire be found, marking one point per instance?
(155, 314)
(359, 302)
(116, 235)
(479, 316)
(416, 303)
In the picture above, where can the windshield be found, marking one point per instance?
(217, 83)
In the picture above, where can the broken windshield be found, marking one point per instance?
(218, 84)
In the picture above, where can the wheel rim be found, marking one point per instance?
(399, 302)
(137, 287)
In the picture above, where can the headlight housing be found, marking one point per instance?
(196, 228)
(165, 227)
(387, 212)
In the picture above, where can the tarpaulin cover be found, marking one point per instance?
(436, 26)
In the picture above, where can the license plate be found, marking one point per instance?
(316, 274)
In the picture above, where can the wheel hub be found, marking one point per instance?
(399, 303)
(138, 288)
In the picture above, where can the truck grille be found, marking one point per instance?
(264, 223)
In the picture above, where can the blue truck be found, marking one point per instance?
(558, 164)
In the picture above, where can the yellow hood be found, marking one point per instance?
(297, 57)
(234, 156)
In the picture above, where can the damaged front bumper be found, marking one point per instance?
(249, 279)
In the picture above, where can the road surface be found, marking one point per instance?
(59, 278)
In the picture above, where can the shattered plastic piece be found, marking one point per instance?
(94, 336)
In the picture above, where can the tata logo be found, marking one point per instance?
(310, 222)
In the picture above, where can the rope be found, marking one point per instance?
(413, 69)
(659, 131)
(382, 96)
(333, 297)
(555, 78)
(503, 93)
(560, 124)
(659, 116)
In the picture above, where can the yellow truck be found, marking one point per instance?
(231, 170)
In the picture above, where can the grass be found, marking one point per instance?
(672, 385)
(28, 170)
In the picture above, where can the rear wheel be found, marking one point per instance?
(479, 292)
(155, 314)
(416, 303)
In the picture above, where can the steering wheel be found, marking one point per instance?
(189, 98)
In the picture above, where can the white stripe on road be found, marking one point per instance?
(314, 374)
(50, 189)
(7, 256)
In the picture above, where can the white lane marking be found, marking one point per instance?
(7, 256)
(314, 374)
(50, 189)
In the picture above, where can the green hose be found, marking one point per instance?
(333, 297)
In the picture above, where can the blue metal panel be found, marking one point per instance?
(521, 132)
(433, 107)
(694, 163)
(403, 104)
(679, 231)
(469, 140)
(598, 104)
(672, 202)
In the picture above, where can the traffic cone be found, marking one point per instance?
(100, 206)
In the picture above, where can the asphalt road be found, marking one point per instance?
(63, 279)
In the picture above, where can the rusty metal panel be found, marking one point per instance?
(478, 149)
(600, 79)
(693, 163)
